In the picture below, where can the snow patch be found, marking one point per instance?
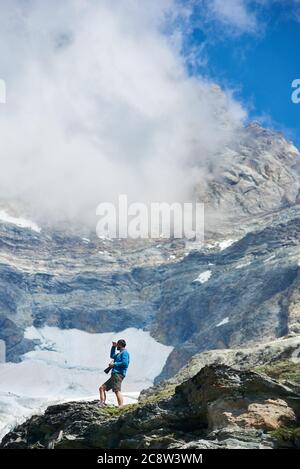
(225, 244)
(21, 222)
(203, 277)
(80, 350)
(220, 244)
(240, 266)
(172, 257)
(269, 259)
(224, 321)
(211, 245)
(292, 149)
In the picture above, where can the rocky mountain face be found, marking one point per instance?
(216, 406)
(240, 287)
(257, 174)
(249, 297)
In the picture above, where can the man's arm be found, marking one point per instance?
(113, 352)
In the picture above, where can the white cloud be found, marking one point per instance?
(235, 13)
(236, 17)
(99, 103)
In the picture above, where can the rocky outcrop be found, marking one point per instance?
(279, 359)
(13, 337)
(220, 407)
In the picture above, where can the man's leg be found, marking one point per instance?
(103, 388)
(119, 398)
(102, 393)
(116, 387)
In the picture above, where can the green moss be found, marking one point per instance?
(286, 433)
(282, 370)
(113, 411)
(164, 393)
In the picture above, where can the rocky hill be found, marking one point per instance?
(217, 406)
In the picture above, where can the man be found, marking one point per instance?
(119, 367)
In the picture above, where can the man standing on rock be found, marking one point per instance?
(119, 367)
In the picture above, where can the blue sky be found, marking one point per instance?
(253, 48)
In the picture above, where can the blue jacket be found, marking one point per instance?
(121, 361)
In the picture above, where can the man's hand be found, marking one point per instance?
(111, 364)
(114, 344)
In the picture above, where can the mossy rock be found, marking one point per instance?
(287, 436)
(285, 370)
(161, 394)
(113, 411)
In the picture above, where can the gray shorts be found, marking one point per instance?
(114, 382)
